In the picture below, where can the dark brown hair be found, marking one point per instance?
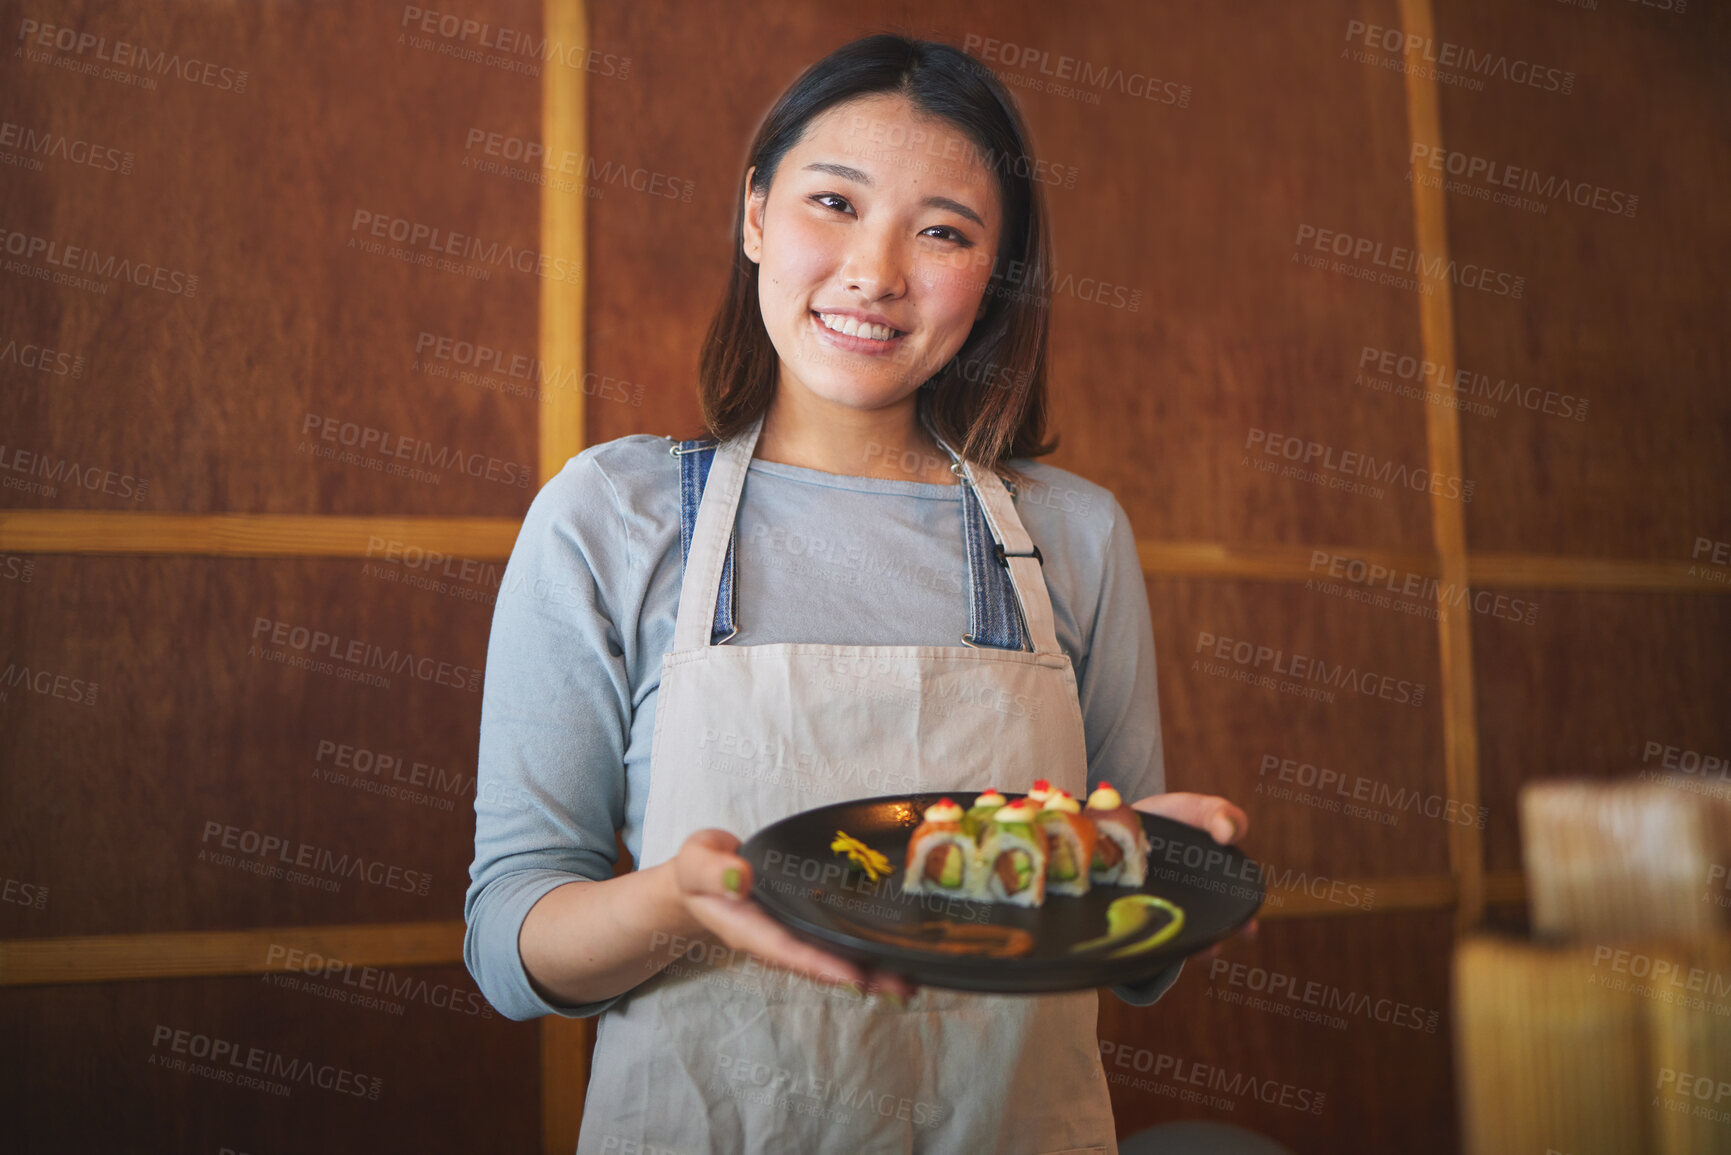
(989, 401)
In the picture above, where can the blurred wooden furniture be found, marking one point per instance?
(1610, 1032)
(1625, 859)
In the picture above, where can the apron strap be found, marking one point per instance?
(995, 617)
(705, 616)
(1011, 552)
(695, 458)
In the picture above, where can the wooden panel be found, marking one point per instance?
(1623, 239)
(101, 1073)
(166, 742)
(1328, 1036)
(662, 258)
(1239, 357)
(1345, 788)
(1605, 685)
(278, 190)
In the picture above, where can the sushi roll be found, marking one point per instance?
(1120, 855)
(1012, 858)
(1070, 844)
(979, 815)
(941, 853)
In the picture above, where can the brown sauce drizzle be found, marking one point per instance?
(945, 937)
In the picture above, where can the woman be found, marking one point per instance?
(838, 592)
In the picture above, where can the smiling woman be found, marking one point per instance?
(879, 166)
(688, 648)
(870, 272)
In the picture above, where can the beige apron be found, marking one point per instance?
(720, 1053)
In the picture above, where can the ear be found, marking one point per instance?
(752, 234)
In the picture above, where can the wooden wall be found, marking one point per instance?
(1593, 628)
(139, 791)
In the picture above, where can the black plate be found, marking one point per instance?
(822, 897)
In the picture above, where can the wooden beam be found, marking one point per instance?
(122, 957)
(565, 1044)
(1596, 574)
(249, 534)
(1448, 515)
(1389, 896)
(1277, 563)
(1506, 888)
(208, 954)
(51, 531)
(565, 131)
(566, 1048)
(1251, 561)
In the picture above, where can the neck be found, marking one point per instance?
(813, 433)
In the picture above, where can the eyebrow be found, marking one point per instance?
(846, 172)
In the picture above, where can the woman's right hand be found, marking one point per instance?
(714, 885)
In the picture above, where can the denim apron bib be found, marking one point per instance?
(721, 1053)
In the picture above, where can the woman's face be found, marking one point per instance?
(883, 223)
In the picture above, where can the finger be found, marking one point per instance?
(1180, 806)
(744, 926)
(1221, 826)
(1227, 823)
(1154, 804)
(1223, 821)
(1240, 818)
(898, 987)
(715, 838)
(707, 865)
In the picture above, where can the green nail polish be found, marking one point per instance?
(730, 879)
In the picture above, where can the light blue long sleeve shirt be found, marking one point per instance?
(587, 608)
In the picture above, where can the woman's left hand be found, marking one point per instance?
(1223, 821)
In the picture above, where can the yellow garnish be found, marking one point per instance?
(862, 855)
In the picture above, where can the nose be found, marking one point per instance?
(875, 264)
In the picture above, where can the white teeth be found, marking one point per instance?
(855, 328)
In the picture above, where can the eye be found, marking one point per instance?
(946, 233)
(833, 201)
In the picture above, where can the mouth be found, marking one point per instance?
(855, 335)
